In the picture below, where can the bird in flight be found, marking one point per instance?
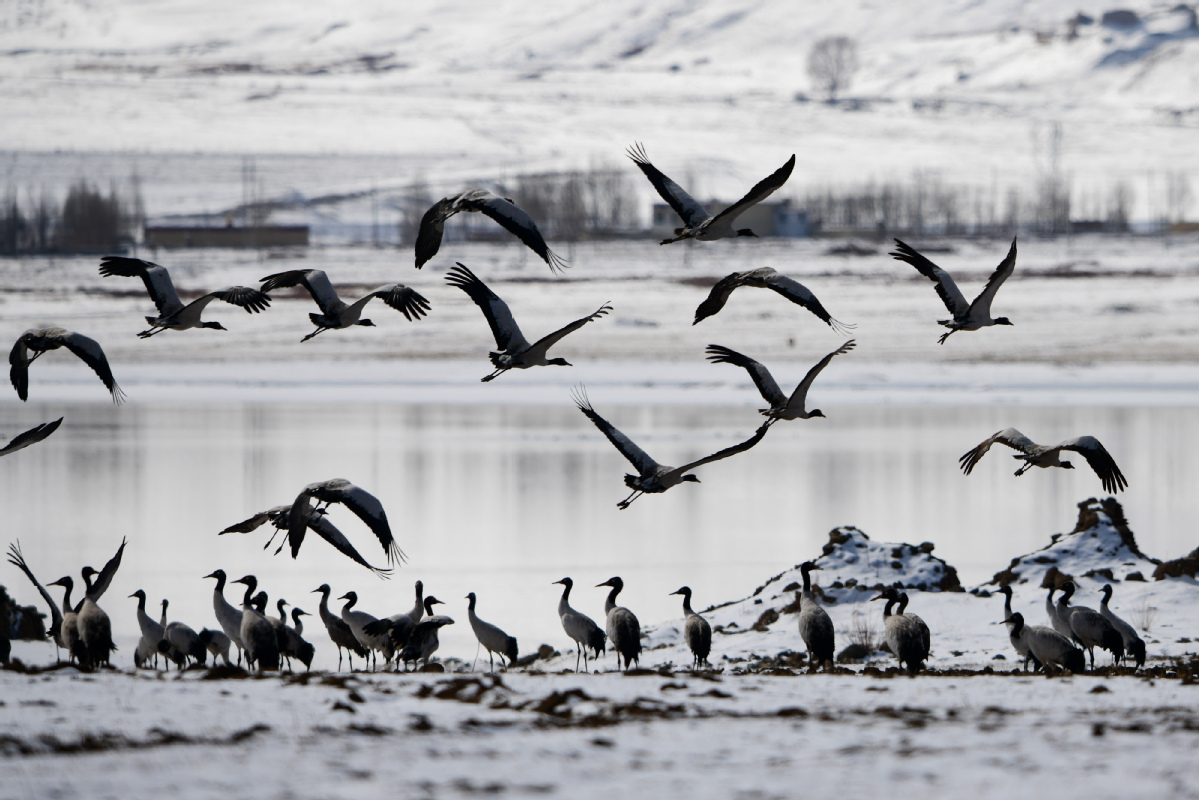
(515, 352)
(172, 313)
(697, 222)
(653, 477)
(1042, 455)
(767, 278)
(966, 316)
(338, 490)
(781, 406)
(502, 210)
(337, 314)
(42, 340)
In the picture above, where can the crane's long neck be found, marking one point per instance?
(807, 580)
(887, 607)
(564, 602)
(297, 622)
(220, 584)
(687, 612)
(1017, 627)
(251, 585)
(1007, 605)
(419, 608)
(1107, 595)
(610, 603)
(325, 613)
(66, 597)
(903, 604)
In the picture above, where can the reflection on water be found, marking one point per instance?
(504, 500)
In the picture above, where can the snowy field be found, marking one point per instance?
(501, 488)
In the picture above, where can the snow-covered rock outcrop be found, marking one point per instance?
(1101, 546)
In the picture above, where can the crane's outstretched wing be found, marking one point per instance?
(314, 280)
(982, 304)
(18, 560)
(156, 279)
(1009, 436)
(407, 301)
(800, 396)
(519, 224)
(728, 451)
(950, 295)
(18, 370)
(549, 340)
(717, 297)
(801, 295)
(763, 189)
(508, 337)
(691, 212)
(762, 378)
(636, 456)
(364, 505)
(1100, 460)
(252, 300)
(92, 354)
(104, 577)
(324, 528)
(432, 224)
(31, 436)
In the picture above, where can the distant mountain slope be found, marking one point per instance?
(710, 85)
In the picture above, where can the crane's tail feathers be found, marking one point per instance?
(557, 263)
(118, 394)
(579, 395)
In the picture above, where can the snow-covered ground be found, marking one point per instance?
(669, 735)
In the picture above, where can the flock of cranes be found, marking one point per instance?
(266, 641)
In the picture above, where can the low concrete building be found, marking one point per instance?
(171, 237)
(771, 218)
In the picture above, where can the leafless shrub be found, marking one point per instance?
(1143, 615)
(862, 631)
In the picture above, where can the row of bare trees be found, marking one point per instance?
(88, 221)
(568, 206)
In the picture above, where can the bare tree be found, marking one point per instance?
(832, 61)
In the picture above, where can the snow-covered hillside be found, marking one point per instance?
(458, 90)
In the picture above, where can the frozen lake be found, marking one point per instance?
(504, 499)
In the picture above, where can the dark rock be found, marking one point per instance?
(852, 654)
(791, 587)
(1120, 18)
(1134, 576)
(768, 618)
(1179, 567)
(1106, 572)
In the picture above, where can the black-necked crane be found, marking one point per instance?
(1045, 456)
(56, 632)
(767, 278)
(697, 633)
(335, 313)
(227, 616)
(926, 636)
(95, 628)
(424, 641)
(181, 642)
(42, 340)
(257, 634)
(364, 505)
(318, 523)
(579, 627)
(152, 632)
(966, 316)
(1088, 628)
(1056, 621)
(398, 627)
(218, 645)
(293, 644)
(358, 620)
(1020, 645)
(652, 477)
(698, 223)
(1134, 645)
(902, 634)
(172, 313)
(339, 632)
(623, 628)
(500, 209)
(68, 636)
(781, 406)
(815, 625)
(1048, 647)
(491, 638)
(514, 352)
(31, 436)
